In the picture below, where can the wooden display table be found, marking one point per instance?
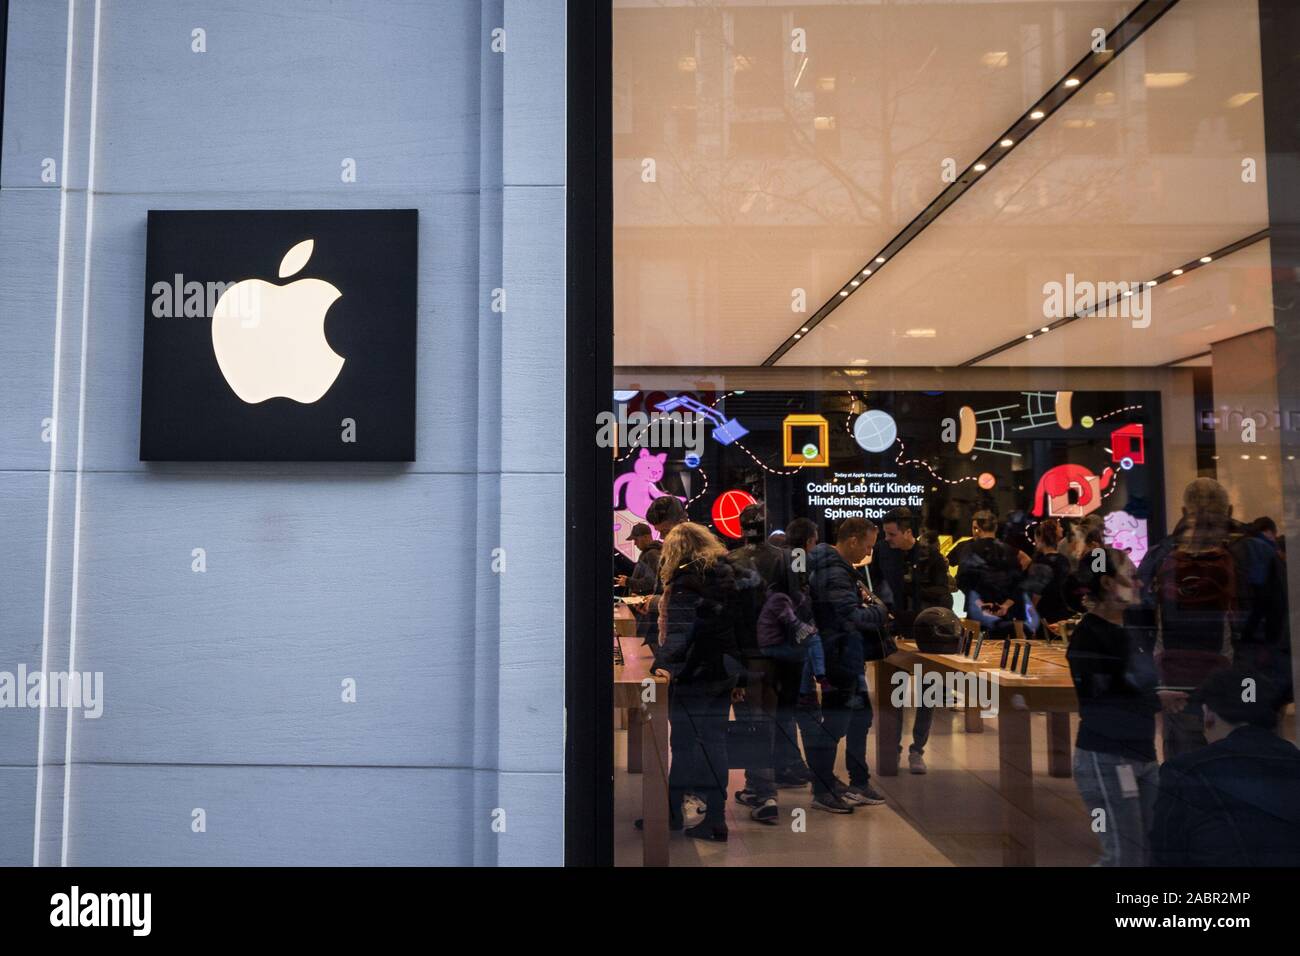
(1046, 688)
(647, 738)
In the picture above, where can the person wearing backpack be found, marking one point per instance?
(756, 566)
(853, 626)
(1206, 590)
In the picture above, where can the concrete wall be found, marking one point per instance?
(222, 690)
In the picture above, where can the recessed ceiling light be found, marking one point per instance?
(1072, 82)
(796, 335)
(844, 291)
(1207, 258)
(1044, 329)
(1166, 81)
(1262, 457)
(1240, 99)
(980, 167)
(1150, 282)
(920, 333)
(1245, 458)
(880, 258)
(1177, 272)
(1037, 115)
(804, 329)
(1030, 335)
(1007, 143)
(856, 282)
(866, 272)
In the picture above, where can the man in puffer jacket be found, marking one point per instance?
(848, 618)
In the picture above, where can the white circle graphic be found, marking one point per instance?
(875, 430)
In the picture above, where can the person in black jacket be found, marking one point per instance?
(757, 567)
(1045, 581)
(1115, 681)
(849, 619)
(644, 578)
(1236, 801)
(697, 647)
(791, 768)
(990, 574)
(665, 513)
(911, 576)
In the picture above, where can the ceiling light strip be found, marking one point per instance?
(1114, 300)
(1127, 31)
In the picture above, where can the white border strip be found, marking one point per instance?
(54, 434)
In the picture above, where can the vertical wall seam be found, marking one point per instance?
(81, 427)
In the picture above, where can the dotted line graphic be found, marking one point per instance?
(705, 475)
(1118, 411)
(902, 449)
(772, 471)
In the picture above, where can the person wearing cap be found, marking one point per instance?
(646, 573)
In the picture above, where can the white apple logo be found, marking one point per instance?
(270, 339)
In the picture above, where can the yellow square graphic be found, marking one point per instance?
(796, 456)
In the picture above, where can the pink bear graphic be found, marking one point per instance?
(642, 483)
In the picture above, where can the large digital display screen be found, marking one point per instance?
(944, 454)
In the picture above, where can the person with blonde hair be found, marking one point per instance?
(689, 543)
(698, 649)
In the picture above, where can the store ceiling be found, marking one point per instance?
(763, 186)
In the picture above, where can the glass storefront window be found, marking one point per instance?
(956, 335)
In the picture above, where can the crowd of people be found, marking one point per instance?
(779, 630)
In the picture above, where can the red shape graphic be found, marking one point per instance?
(1055, 487)
(726, 511)
(1128, 442)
